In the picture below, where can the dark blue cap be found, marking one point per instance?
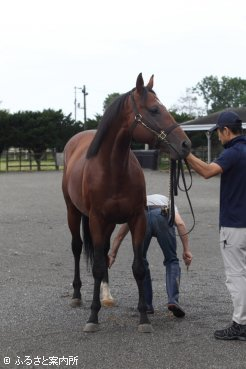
(227, 119)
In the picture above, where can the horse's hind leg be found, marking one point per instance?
(74, 222)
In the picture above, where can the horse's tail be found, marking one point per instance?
(88, 245)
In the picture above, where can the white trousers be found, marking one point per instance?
(233, 249)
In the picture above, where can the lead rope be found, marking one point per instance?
(186, 189)
(172, 192)
(174, 184)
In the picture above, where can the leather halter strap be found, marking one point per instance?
(161, 135)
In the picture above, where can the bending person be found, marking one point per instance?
(157, 226)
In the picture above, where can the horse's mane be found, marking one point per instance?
(108, 117)
(111, 112)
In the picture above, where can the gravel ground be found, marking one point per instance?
(39, 329)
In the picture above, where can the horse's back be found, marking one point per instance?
(78, 145)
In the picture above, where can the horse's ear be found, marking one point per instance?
(151, 83)
(139, 83)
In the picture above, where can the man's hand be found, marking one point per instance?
(187, 257)
(111, 260)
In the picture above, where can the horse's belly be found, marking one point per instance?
(121, 212)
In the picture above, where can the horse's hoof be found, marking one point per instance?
(76, 303)
(91, 327)
(145, 328)
(108, 302)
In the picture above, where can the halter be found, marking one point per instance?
(161, 135)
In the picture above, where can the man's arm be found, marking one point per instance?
(124, 229)
(183, 233)
(202, 168)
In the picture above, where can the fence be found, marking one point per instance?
(17, 160)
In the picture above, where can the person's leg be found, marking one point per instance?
(167, 240)
(233, 250)
(173, 282)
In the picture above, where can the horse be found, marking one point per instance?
(103, 185)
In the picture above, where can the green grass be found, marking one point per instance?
(164, 163)
(26, 166)
(49, 165)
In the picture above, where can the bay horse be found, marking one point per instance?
(103, 185)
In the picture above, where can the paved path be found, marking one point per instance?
(35, 284)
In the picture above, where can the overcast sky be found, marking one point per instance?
(47, 47)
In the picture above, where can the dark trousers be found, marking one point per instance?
(157, 226)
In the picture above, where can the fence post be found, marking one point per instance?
(20, 163)
(55, 158)
(7, 160)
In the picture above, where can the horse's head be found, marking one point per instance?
(153, 124)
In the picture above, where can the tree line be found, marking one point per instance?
(50, 129)
(36, 131)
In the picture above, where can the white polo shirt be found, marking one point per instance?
(157, 199)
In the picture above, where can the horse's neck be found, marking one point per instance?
(115, 150)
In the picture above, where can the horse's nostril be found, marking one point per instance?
(186, 144)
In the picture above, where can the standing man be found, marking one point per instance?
(157, 226)
(231, 165)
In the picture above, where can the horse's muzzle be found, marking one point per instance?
(180, 151)
(186, 147)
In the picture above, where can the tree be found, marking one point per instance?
(220, 94)
(64, 128)
(39, 131)
(188, 104)
(93, 123)
(109, 99)
(198, 138)
(180, 117)
(4, 130)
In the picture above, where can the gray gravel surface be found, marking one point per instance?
(35, 283)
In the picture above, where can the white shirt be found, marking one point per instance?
(157, 199)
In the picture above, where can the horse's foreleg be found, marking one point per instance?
(101, 242)
(106, 297)
(138, 269)
(98, 271)
(139, 274)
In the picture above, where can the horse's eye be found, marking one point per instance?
(154, 110)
